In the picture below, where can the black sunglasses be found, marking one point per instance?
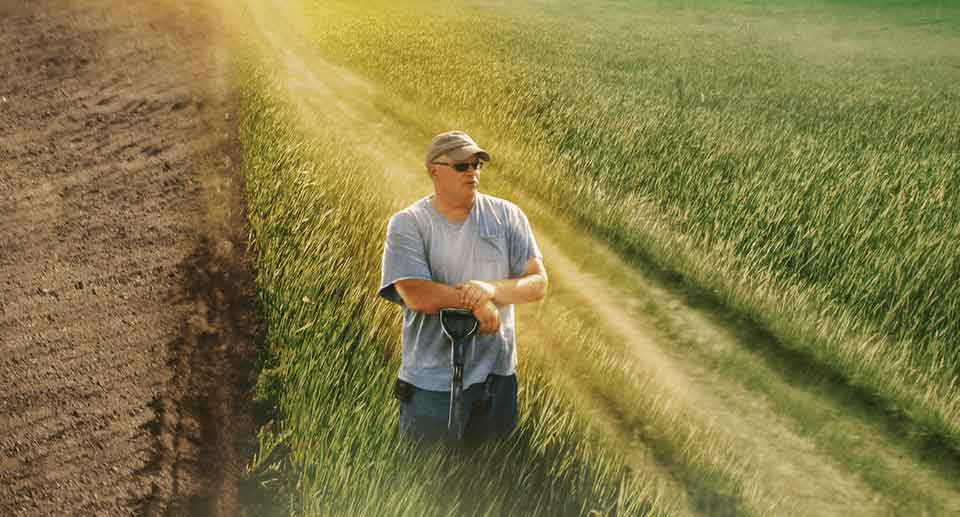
(463, 166)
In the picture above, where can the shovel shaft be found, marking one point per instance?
(455, 422)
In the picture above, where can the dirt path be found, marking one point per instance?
(791, 464)
(682, 348)
(127, 329)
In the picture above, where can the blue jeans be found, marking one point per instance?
(423, 417)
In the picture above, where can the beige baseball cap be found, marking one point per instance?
(455, 144)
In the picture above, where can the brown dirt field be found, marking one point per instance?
(128, 328)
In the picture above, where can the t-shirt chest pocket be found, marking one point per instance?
(492, 246)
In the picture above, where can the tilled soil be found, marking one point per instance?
(128, 330)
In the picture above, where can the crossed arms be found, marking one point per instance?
(480, 297)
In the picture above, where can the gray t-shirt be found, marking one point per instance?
(494, 243)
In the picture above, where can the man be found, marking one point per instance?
(462, 249)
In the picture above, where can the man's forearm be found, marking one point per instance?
(428, 297)
(525, 289)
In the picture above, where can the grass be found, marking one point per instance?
(334, 436)
(331, 360)
(805, 176)
(817, 403)
(716, 478)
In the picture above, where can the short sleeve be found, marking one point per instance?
(523, 246)
(404, 256)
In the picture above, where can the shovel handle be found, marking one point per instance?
(458, 325)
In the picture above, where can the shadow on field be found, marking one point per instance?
(804, 372)
(206, 422)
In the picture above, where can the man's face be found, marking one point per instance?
(453, 183)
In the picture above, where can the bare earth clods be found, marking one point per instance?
(127, 322)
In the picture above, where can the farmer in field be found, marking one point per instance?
(458, 248)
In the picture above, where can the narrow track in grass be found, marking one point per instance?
(814, 446)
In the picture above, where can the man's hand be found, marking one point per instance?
(488, 316)
(475, 293)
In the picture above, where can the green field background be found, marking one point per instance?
(799, 162)
(333, 448)
(796, 162)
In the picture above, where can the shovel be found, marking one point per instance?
(457, 325)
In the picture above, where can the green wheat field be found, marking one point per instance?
(791, 167)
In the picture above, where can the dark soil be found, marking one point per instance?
(128, 327)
